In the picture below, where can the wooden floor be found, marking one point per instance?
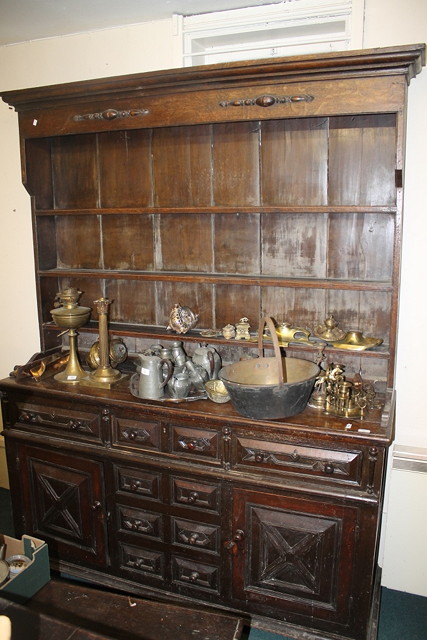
(64, 610)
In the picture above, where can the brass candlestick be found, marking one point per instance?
(104, 375)
(70, 315)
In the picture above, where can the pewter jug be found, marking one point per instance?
(179, 385)
(149, 381)
(198, 375)
(209, 359)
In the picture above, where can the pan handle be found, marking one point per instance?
(281, 363)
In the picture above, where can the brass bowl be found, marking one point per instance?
(216, 391)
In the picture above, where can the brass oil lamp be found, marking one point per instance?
(69, 315)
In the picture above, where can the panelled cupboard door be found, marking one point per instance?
(64, 499)
(295, 555)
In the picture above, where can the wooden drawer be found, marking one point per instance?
(82, 425)
(194, 576)
(140, 562)
(137, 482)
(195, 535)
(202, 445)
(194, 494)
(280, 457)
(138, 434)
(140, 522)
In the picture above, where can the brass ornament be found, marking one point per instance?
(335, 395)
(182, 319)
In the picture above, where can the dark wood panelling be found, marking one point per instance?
(182, 166)
(48, 288)
(132, 301)
(233, 302)
(362, 160)
(128, 242)
(78, 241)
(125, 168)
(38, 169)
(294, 245)
(354, 240)
(185, 243)
(75, 172)
(236, 163)
(45, 230)
(294, 157)
(237, 243)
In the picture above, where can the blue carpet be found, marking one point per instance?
(403, 616)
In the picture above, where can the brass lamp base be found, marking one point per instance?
(104, 377)
(73, 372)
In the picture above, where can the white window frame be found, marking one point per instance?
(291, 27)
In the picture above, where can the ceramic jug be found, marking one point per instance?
(149, 381)
(209, 359)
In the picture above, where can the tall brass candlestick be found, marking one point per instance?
(104, 375)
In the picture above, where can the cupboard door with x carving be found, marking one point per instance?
(64, 503)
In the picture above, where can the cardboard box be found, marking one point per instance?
(22, 586)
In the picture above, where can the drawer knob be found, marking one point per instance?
(194, 576)
(259, 457)
(233, 545)
(329, 467)
(96, 505)
(239, 535)
(193, 538)
(193, 497)
(75, 425)
(134, 485)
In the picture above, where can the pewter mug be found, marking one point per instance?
(149, 381)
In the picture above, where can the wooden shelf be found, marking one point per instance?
(255, 280)
(161, 333)
(219, 209)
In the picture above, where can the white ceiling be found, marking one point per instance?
(22, 20)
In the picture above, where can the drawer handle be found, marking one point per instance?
(329, 468)
(201, 444)
(134, 485)
(193, 497)
(266, 100)
(259, 457)
(75, 425)
(111, 114)
(233, 544)
(194, 576)
(141, 526)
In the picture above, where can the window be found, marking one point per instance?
(290, 27)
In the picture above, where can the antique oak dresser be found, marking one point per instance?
(268, 188)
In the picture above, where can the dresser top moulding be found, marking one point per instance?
(405, 60)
